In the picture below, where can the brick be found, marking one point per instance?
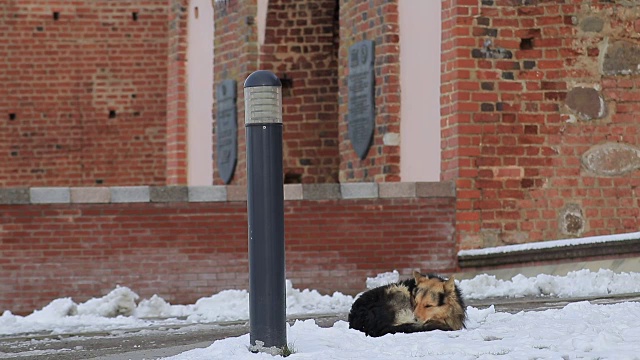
(522, 58)
(129, 194)
(143, 235)
(207, 193)
(51, 111)
(487, 107)
(311, 90)
(359, 190)
(87, 195)
(50, 195)
(522, 143)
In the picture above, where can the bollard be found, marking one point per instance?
(265, 208)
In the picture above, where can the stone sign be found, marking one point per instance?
(361, 85)
(226, 129)
(612, 159)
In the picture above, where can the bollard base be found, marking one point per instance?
(273, 350)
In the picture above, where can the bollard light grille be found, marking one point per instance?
(262, 105)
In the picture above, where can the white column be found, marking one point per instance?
(263, 7)
(420, 38)
(200, 93)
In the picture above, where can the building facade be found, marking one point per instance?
(496, 122)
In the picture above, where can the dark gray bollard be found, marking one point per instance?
(265, 207)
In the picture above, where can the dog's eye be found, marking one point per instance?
(427, 306)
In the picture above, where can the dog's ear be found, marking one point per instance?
(450, 285)
(417, 276)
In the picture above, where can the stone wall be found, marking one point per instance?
(83, 95)
(540, 132)
(184, 243)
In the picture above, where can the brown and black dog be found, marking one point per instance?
(424, 303)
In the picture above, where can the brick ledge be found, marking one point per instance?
(220, 193)
(571, 252)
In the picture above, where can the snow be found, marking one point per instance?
(579, 283)
(383, 279)
(579, 330)
(118, 310)
(575, 284)
(550, 244)
(121, 301)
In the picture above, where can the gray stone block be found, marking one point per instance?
(207, 193)
(293, 192)
(129, 194)
(571, 220)
(320, 191)
(359, 190)
(621, 58)
(592, 24)
(168, 194)
(435, 189)
(586, 102)
(50, 195)
(14, 196)
(397, 190)
(237, 193)
(90, 195)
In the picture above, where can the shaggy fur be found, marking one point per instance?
(424, 303)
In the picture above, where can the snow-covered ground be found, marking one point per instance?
(580, 330)
(119, 310)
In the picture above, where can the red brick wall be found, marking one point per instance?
(184, 251)
(301, 45)
(375, 20)
(176, 150)
(518, 79)
(235, 56)
(83, 97)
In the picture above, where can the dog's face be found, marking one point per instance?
(436, 300)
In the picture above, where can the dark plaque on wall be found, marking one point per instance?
(226, 129)
(361, 84)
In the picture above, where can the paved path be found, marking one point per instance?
(138, 344)
(135, 344)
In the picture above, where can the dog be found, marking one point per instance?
(423, 303)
